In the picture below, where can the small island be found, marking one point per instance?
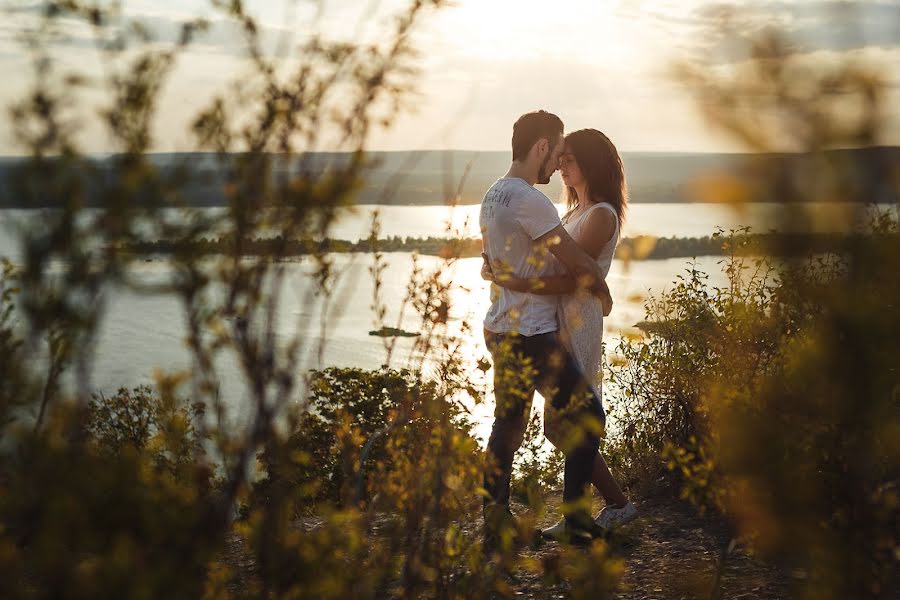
(392, 332)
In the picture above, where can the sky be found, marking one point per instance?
(605, 64)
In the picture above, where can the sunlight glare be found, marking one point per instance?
(529, 29)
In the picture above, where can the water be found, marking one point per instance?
(659, 220)
(142, 333)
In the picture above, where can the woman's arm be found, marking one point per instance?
(598, 228)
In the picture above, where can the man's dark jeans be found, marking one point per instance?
(523, 364)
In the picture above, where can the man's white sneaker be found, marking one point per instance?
(610, 517)
(567, 534)
(555, 532)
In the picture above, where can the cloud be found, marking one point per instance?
(222, 35)
(476, 111)
(809, 26)
(607, 73)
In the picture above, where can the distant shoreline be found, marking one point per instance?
(633, 248)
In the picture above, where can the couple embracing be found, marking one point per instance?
(545, 325)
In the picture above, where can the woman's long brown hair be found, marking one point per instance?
(602, 169)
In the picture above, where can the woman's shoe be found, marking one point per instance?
(611, 517)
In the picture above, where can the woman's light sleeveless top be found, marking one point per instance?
(580, 315)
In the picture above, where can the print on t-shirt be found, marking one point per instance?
(513, 215)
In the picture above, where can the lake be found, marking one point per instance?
(144, 332)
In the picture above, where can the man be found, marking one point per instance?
(522, 233)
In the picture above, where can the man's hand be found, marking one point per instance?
(597, 287)
(601, 290)
(606, 300)
(487, 273)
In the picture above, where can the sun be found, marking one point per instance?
(528, 29)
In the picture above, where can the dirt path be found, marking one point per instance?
(669, 552)
(672, 552)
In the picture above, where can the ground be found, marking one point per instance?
(670, 552)
(673, 552)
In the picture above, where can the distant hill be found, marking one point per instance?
(436, 175)
(429, 177)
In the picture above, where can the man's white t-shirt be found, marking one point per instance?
(513, 215)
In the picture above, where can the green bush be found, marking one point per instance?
(139, 420)
(697, 334)
(378, 471)
(80, 518)
(348, 412)
(770, 400)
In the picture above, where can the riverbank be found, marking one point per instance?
(632, 248)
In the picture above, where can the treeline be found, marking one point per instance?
(635, 248)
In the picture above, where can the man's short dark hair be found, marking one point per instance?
(534, 126)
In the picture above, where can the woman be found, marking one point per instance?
(596, 199)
